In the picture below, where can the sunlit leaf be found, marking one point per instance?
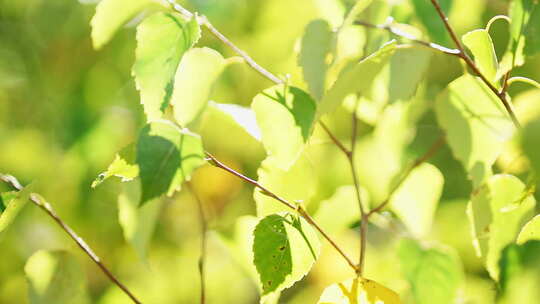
(531, 231)
(111, 15)
(298, 183)
(356, 78)
(358, 291)
(416, 200)
(407, 68)
(162, 39)
(13, 205)
(244, 117)
(316, 47)
(435, 274)
(55, 277)
(520, 273)
(425, 11)
(497, 212)
(286, 116)
(195, 77)
(166, 156)
(480, 44)
(476, 125)
(123, 166)
(137, 223)
(285, 247)
(5, 199)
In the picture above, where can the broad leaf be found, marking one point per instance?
(476, 125)
(123, 166)
(358, 291)
(520, 274)
(296, 184)
(166, 156)
(416, 199)
(425, 11)
(195, 77)
(137, 223)
(313, 58)
(162, 39)
(531, 231)
(286, 116)
(55, 277)
(356, 78)
(497, 212)
(284, 247)
(242, 116)
(480, 44)
(435, 274)
(407, 68)
(13, 205)
(111, 15)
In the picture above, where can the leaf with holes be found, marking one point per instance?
(358, 290)
(284, 250)
(166, 156)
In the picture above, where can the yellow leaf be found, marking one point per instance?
(358, 291)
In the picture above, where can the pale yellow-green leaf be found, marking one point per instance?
(531, 231)
(417, 198)
(481, 46)
(242, 116)
(13, 207)
(358, 291)
(195, 77)
(123, 166)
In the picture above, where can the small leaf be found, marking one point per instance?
(162, 40)
(284, 247)
(111, 15)
(166, 157)
(13, 205)
(520, 273)
(138, 223)
(244, 117)
(531, 231)
(5, 198)
(357, 78)
(481, 46)
(55, 277)
(416, 199)
(435, 274)
(316, 47)
(123, 166)
(476, 124)
(286, 116)
(195, 77)
(494, 225)
(358, 291)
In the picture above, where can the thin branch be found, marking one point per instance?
(334, 139)
(301, 211)
(47, 208)
(463, 55)
(204, 229)
(432, 150)
(397, 32)
(202, 20)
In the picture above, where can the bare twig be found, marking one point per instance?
(301, 211)
(204, 229)
(334, 139)
(463, 55)
(47, 208)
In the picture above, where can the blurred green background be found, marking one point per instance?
(65, 110)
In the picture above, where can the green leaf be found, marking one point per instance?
(286, 116)
(476, 125)
(138, 223)
(497, 211)
(13, 205)
(298, 183)
(425, 11)
(111, 15)
(416, 199)
(242, 116)
(520, 273)
(531, 231)
(530, 143)
(358, 290)
(123, 166)
(5, 199)
(166, 156)
(55, 277)
(195, 77)
(407, 68)
(532, 32)
(284, 247)
(480, 44)
(435, 274)
(313, 58)
(356, 78)
(162, 39)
